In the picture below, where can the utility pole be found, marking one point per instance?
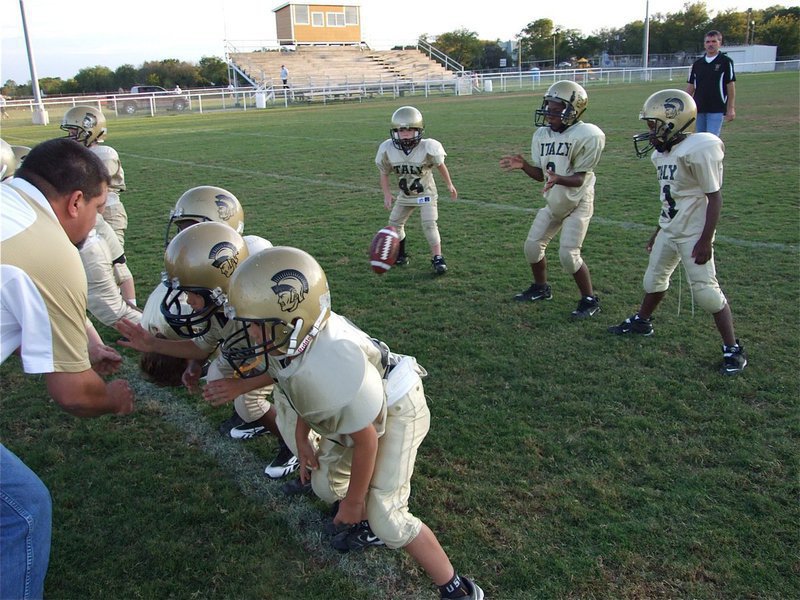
(39, 113)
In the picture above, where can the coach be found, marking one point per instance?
(47, 209)
(712, 84)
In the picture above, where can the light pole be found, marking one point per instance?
(555, 35)
(39, 113)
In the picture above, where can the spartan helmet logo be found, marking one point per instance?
(89, 121)
(226, 207)
(225, 257)
(673, 107)
(291, 287)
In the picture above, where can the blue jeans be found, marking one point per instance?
(25, 525)
(710, 122)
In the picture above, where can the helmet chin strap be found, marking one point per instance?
(296, 348)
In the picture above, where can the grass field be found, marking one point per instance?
(561, 463)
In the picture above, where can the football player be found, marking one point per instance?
(412, 159)
(87, 125)
(564, 154)
(198, 264)
(367, 404)
(689, 173)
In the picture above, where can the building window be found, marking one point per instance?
(335, 19)
(317, 19)
(301, 14)
(351, 15)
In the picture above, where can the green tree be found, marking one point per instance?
(213, 71)
(125, 76)
(536, 39)
(461, 45)
(491, 55)
(95, 79)
(782, 30)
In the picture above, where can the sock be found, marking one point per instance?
(455, 588)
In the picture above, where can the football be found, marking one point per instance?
(383, 250)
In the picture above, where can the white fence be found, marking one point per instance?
(248, 98)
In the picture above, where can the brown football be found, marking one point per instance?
(383, 250)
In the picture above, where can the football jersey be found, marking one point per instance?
(575, 150)
(43, 291)
(336, 385)
(414, 171)
(111, 161)
(689, 171)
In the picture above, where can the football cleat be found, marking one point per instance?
(633, 324)
(734, 359)
(402, 260)
(588, 306)
(439, 266)
(535, 292)
(283, 464)
(238, 429)
(355, 537)
(476, 593)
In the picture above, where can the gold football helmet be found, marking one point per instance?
(572, 95)
(668, 114)
(8, 160)
(406, 117)
(206, 203)
(200, 260)
(20, 152)
(84, 124)
(283, 293)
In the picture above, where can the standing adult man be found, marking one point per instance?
(285, 76)
(712, 84)
(54, 196)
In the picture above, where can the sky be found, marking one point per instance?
(68, 35)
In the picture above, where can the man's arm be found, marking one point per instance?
(730, 112)
(142, 340)
(352, 508)
(85, 394)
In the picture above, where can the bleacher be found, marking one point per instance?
(342, 67)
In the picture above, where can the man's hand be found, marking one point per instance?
(120, 392)
(105, 360)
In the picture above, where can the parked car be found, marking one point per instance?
(140, 95)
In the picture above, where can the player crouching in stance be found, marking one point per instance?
(689, 169)
(198, 264)
(412, 158)
(564, 154)
(367, 404)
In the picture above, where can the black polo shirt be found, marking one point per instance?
(710, 80)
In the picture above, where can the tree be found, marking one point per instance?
(213, 71)
(461, 45)
(782, 30)
(536, 40)
(491, 55)
(95, 79)
(126, 76)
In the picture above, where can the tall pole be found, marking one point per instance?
(555, 34)
(646, 44)
(39, 113)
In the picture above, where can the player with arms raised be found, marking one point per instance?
(564, 154)
(689, 169)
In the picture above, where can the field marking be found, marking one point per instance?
(779, 246)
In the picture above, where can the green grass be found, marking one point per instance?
(561, 462)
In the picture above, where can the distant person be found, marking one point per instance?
(564, 153)
(177, 89)
(412, 159)
(48, 208)
(285, 76)
(712, 85)
(689, 172)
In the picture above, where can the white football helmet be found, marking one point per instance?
(201, 259)
(205, 203)
(572, 95)
(668, 114)
(283, 293)
(84, 124)
(406, 117)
